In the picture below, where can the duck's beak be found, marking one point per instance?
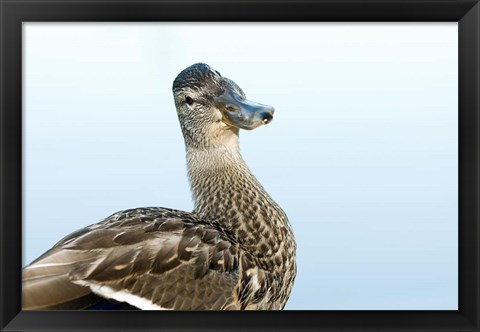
(242, 113)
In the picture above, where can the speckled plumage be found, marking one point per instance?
(235, 251)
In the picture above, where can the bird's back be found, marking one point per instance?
(151, 258)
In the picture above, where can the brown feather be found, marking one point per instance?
(170, 265)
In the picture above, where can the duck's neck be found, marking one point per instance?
(225, 191)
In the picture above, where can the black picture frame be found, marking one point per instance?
(14, 12)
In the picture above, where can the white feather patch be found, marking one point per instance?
(253, 274)
(121, 296)
(255, 283)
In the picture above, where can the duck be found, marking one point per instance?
(235, 250)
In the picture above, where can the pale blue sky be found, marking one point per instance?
(361, 154)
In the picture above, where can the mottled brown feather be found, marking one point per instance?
(170, 262)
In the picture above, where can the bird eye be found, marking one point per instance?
(188, 100)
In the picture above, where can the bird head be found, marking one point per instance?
(211, 108)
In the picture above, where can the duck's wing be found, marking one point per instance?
(150, 258)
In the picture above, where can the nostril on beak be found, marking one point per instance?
(266, 117)
(231, 108)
